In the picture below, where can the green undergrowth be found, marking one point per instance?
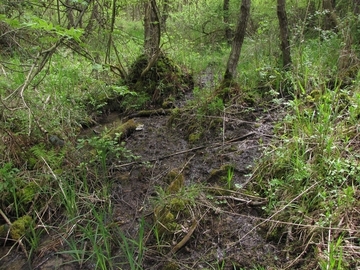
(311, 175)
(53, 183)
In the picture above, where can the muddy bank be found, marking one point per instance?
(222, 218)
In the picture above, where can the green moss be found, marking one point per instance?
(177, 204)
(165, 221)
(222, 176)
(19, 227)
(28, 193)
(220, 173)
(124, 129)
(176, 181)
(194, 137)
(171, 266)
(4, 230)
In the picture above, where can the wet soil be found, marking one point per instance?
(226, 235)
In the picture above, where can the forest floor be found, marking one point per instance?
(219, 227)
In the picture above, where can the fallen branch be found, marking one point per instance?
(185, 239)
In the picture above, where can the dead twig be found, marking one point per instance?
(241, 200)
(185, 239)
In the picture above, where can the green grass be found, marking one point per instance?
(310, 171)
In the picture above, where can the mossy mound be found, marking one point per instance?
(163, 80)
(19, 227)
(222, 176)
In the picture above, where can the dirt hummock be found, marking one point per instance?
(162, 82)
(224, 224)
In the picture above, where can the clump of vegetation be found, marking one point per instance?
(61, 74)
(162, 80)
(20, 226)
(311, 177)
(173, 207)
(222, 176)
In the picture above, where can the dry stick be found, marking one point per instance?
(188, 235)
(5, 217)
(187, 162)
(19, 241)
(247, 202)
(285, 222)
(187, 151)
(277, 212)
(185, 239)
(301, 254)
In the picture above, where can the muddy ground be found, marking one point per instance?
(222, 229)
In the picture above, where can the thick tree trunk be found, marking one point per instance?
(228, 32)
(152, 29)
(284, 33)
(237, 41)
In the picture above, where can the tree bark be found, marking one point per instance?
(228, 32)
(152, 29)
(112, 25)
(284, 34)
(356, 7)
(330, 21)
(237, 41)
(92, 20)
(69, 14)
(165, 14)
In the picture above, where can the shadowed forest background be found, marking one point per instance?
(158, 134)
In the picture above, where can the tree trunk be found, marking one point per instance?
(356, 7)
(238, 41)
(330, 21)
(112, 25)
(69, 14)
(228, 32)
(284, 33)
(152, 29)
(165, 14)
(92, 20)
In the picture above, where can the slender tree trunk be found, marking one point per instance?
(356, 6)
(228, 32)
(152, 29)
(91, 21)
(330, 21)
(165, 14)
(237, 41)
(284, 33)
(69, 14)
(112, 25)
